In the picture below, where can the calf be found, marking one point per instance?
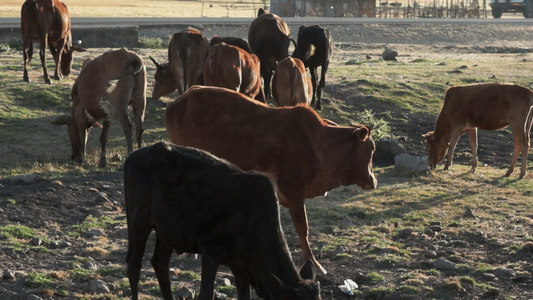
(234, 41)
(198, 203)
(48, 22)
(302, 153)
(269, 39)
(233, 68)
(187, 52)
(489, 106)
(291, 85)
(105, 88)
(314, 47)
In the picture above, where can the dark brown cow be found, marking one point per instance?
(198, 203)
(291, 85)
(48, 22)
(105, 88)
(269, 39)
(187, 52)
(234, 68)
(304, 155)
(234, 41)
(488, 106)
(314, 48)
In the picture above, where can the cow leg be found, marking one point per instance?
(83, 132)
(453, 142)
(243, 288)
(27, 54)
(209, 273)
(125, 121)
(42, 55)
(321, 86)
(138, 232)
(160, 262)
(299, 218)
(314, 79)
(103, 142)
(57, 59)
(472, 134)
(139, 107)
(521, 145)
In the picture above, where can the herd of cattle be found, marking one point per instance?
(215, 203)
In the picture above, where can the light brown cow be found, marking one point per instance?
(187, 52)
(291, 85)
(489, 106)
(105, 88)
(234, 68)
(304, 155)
(234, 41)
(48, 22)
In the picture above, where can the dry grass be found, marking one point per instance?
(148, 8)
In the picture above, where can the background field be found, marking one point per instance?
(449, 235)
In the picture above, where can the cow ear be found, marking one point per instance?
(260, 11)
(157, 65)
(362, 132)
(429, 136)
(308, 271)
(62, 120)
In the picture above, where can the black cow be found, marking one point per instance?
(314, 47)
(198, 203)
(269, 39)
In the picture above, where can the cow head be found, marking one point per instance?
(74, 134)
(436, 149)
(360, 172)
(305, 289)
(67, 58)
(164, 80)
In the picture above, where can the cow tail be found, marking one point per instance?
(184, 56)
(529, 119)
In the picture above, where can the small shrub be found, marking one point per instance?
(381, 128)
(39, 280)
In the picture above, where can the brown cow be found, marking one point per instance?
(234, 41)
(304, 155)
(187, 52)
(48, 22)
(105, 88)
(198, 203)
(291, 85)
(234, 68)
(489, 106)
(269, 39)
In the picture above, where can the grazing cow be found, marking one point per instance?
(269, 39)
(105, 88)
(304, 155)
(233, 68)
(48, 22)
(187, 52)
(234, 41)
(489, 106)
(198, 203)
(291, 85)
(314, 48)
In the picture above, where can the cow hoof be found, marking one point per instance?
(27, 80)
(48, 81)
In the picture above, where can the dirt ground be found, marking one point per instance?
(53, 207)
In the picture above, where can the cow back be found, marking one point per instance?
(319, 39)
(291, 85)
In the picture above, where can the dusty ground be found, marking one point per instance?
(55, 207)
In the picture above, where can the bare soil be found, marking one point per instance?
(53, 206)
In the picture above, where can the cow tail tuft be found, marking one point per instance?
(310, 52)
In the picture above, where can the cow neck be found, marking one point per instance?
(337, 146)
(443, 128)
(274, 257)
